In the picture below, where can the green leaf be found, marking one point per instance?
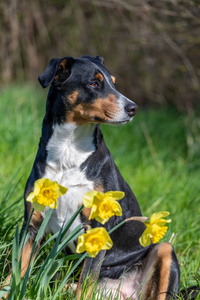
(66, 278)
(4, 291)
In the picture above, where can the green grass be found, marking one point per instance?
(157, 154)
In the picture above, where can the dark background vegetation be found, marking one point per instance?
(151, 46)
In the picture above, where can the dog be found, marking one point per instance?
(72, 151)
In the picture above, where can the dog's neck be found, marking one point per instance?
(70, 145)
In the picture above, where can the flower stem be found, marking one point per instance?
(135, 218)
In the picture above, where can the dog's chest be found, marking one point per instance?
(66, 153)
(68, 204)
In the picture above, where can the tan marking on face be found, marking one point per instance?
(99, 187)
(99, 76)
(73, 97)
(165, 255)
(104, 109)
(86, 212)
(113, 79)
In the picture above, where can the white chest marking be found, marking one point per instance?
(67, 149)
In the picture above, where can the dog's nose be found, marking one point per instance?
(131, 109)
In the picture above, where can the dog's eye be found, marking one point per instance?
(94, 84)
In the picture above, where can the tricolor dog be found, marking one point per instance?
(72, 151)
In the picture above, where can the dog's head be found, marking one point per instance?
(83, 91)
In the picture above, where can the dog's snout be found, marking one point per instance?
(131, 109)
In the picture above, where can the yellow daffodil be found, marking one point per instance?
(103, 206)
(45, 193)
(155, 228)
(93, 241)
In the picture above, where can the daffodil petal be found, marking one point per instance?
(115, 195)
(88, 198)
(38, 207)
(53, 205)
(93, 213)
(108, 244)
(80, 245)
(145, 239)
(102, 231)
(38, 184)
(118, 209)
(100, 220)
(158, 215)
(162, 222)
(48, 182)
(60, 190)
(92, 254)
(31, 197)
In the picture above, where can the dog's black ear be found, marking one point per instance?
(55, 69)
(92, 58)
(101, 59)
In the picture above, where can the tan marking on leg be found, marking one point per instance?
(113, 79)
(99, 76)
(102, 110)
(73, 97)
(26, 254)
(159, 260)
(165, 255)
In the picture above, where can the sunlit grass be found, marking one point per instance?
(152, 153)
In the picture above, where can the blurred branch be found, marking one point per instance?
(181, 54)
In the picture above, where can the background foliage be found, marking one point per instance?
(152, 46)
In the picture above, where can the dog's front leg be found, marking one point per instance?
(90, 272)
(33, 228)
